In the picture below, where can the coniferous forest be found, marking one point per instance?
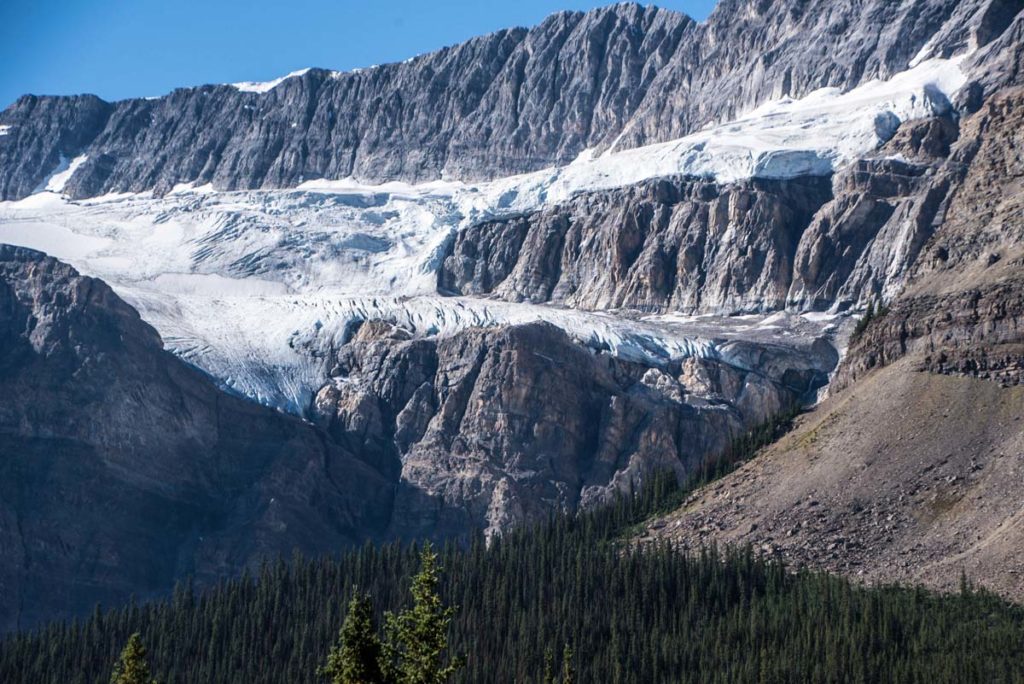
(573, 588)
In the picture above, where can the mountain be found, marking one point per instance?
(519, 275)
(510, 102)
(911, 471)
(124, 468)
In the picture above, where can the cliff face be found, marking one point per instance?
(513, 101)
(686, 245)
(962, 309)
(491, 428)
(124, 469)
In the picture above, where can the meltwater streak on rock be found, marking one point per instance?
(514, 101)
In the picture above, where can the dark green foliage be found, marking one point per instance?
(132, 667)
(568, 666)
(357, 656)
(417, 638)
(870, 315)
(549, 667)
(628, 615)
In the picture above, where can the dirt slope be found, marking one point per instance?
(907, 476)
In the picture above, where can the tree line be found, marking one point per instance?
(569, 600)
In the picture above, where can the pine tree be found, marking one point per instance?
(356, 657)
(418, 636)
(568, 669)
(131, 667)
(863, 323)
(549, 666)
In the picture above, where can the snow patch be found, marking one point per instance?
(60, 177)
(266, 86)
(56, 240)
(5, 129)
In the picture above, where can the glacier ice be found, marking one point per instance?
(257, 287)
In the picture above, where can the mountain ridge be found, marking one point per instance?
(502, 104)
(472, 356)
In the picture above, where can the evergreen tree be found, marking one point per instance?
(864, 322)
(549, 666)
(356, 657)
(633, 614)
(568, 668)
(415, 650)
(132, 667)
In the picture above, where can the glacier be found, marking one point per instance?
(257, 288)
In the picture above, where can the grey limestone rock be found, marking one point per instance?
(122, 469)
(685, 245)
(489, 428)
(512, 101)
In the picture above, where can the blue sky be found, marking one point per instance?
(136, 48)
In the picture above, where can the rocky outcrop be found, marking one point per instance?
(685, 245)
(962, 309)
(123, 469)
(906, 477)
(513, 101)
(977, 332)
(863, 243)
(489, 428)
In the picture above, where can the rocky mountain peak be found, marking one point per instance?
(513, 101)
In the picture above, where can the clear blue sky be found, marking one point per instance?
(134, 48)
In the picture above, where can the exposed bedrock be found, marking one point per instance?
(862, 244)
(123, 469)
(977, 332)
(677, 244)
(492, 427)
(513, 101)
(962, 309)
(696, 246)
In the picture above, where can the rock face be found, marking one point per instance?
(124, 469)
(977, 332)
(905, 477)
(862, 244)
(513, 101)
(962, 310)
(493, 427)
(681, 245)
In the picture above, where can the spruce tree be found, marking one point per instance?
(131, 667)
(415, 650)
(568, 669)
(549, 666)
(356, 657)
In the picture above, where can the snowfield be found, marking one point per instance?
(258, 287)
